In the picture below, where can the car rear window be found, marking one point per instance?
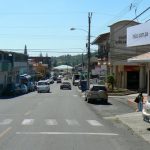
(66, 83)
(97, 88)
(42, 83)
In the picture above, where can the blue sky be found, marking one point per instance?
(44, 25)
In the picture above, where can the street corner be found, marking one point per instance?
(135, 122)
(131, 103)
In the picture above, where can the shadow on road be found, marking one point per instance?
(100, 103)
(9, 97)
(148, 129)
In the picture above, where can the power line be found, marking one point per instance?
(132, 20)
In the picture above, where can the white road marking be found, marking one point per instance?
(72, 122)
(6, 122)
(94, 123)
(27, 113)
(51, 122)
(65, 133)
(75, 95)
(27, 121)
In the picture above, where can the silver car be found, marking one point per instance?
(146, 111)
(97, 93)
(43, 86)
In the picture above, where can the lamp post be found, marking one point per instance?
(88, 47)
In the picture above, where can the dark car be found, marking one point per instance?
(30, 87)
(51, 81)
(59, 80)
(12, 90)
(65, 85)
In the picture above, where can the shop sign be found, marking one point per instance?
(138, 35)
(131, 68)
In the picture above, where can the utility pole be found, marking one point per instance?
(88, 46)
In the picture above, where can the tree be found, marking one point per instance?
(111, 81)
(41, 54)
(25, 50)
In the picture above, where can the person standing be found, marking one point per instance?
(140, 101)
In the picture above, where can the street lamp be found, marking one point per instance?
(88, 46)
(78, 29)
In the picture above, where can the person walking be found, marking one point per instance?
(140, 101)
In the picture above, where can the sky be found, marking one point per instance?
(44, 25)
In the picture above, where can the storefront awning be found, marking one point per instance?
(144, 58)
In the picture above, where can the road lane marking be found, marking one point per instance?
(65, 133)
(94, 123)
(75, 95)
(72, 122)
(27, 113)
(5, 132)
(27, 121)
(6, 122)
(51, 122)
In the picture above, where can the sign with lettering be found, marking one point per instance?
(138, 35)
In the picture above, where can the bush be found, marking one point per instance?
(111, 81)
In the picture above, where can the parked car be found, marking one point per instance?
(51, 81)
(12, 90)
(30, 86)
(97, 93)
(43, 86)
(24, 89)
(59, 80)
(75, 79)
(146, 111)
(65, 85)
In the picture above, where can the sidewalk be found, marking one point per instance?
(131, 99)
(135, 122)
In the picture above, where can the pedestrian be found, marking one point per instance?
(139, 101)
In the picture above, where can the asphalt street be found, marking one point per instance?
(62, 120)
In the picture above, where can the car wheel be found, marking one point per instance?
(88, 100)
(85, 99)
(106, 101)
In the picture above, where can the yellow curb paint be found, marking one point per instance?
(27, 113)
(5, 132)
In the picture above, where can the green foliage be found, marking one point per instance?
(68, 60)
(111, 81)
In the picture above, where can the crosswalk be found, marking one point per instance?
(52, 122)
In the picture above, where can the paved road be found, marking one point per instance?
(62, 120)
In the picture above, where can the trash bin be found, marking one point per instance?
(83, 84)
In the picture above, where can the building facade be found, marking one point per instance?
(11, 66)
(127, 75)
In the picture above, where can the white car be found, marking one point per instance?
(146, 111)
(43, 86)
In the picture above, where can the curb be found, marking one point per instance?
(131, 119)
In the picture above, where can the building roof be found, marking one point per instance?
(140, 58)
(122, 21)
(101, 38)
(62, 67)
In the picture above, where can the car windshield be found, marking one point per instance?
(97, 88)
